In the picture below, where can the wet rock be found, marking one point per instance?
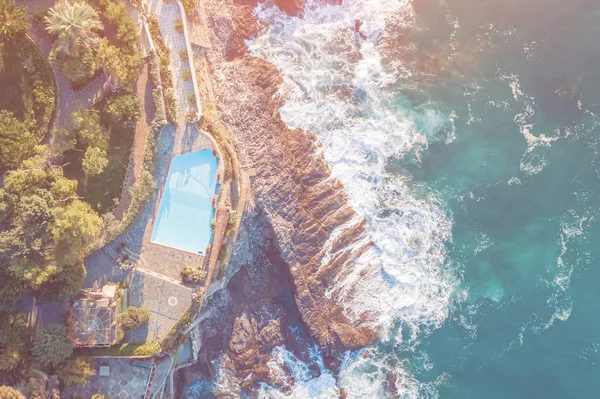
(285, 291)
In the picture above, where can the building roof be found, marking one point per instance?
(95, 320)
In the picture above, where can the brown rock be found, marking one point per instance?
(287, 279)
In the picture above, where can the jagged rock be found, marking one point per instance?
(243, 334)
(284, 276)
(270, 335)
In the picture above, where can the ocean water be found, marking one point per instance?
(466, 133)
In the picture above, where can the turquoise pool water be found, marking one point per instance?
(185, 211)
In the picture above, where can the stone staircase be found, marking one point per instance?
(119, 247)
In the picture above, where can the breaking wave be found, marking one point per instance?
(336, 86)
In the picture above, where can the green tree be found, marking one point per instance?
(32, 220)
(121, 67)
(94, 162)
(98, 396)
(127, 31)
(63, 188)
(85, 123)
(52, 344)
(16, 141)
(10, 393)
(124, 109)
(33, 273)
(14, 342)
(63, 284)
(76, 226)
(75, 25)
(133, 317)
(75, 371)
(10, 289)
(13, 20)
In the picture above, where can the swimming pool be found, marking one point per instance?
(185, 211)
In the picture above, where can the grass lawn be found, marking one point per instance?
(127, 349)
(102, 192)
(27, 84)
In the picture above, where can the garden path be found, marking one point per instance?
(68, 99)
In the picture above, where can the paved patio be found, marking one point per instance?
(167, 302)
(125, 381)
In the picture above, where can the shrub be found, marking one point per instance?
(10, 393)
(183, 54)
(128, 349)
(133, 317)
(16, 140)
(186, 74)
(75, 371)
(124, 109)
(98, 396)
(179, 26)
(155, 69)
(120, 334)
(192, 275)
(170, 104)
(192, 99)
(52, 344)
(223, 253)
(231, 226)
(189, 6)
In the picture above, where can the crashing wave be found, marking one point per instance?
(336, 86)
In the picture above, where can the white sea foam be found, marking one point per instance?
(336, 86)
(534, 159)
(306, 384)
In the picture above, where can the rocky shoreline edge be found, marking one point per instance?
(280, 286)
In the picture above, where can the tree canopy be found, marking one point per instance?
(13, 20)
(45, 232)
(120, 65)
(94, 161)
(75, 371)
(10, 393)
(133, 317)
(16, 141)
(125, 109)
(52, 344)
(75, 25)
(14, 347)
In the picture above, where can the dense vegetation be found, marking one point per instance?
(133, 317)
(81, 49)
(14, 348)
(27, 103)
(75, 371)
(47, 229)
(193, 275)
(56, 198)
(99, 142)
(52, 345)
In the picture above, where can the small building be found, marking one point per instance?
(95, 318)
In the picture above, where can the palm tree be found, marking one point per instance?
(74, 24)
(13, 20)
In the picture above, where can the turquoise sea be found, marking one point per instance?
(524, 321)
(466, 134)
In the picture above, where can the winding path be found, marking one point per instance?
(68, 100)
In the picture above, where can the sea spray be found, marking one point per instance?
(336, 86)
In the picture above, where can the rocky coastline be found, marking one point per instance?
(292, 249)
